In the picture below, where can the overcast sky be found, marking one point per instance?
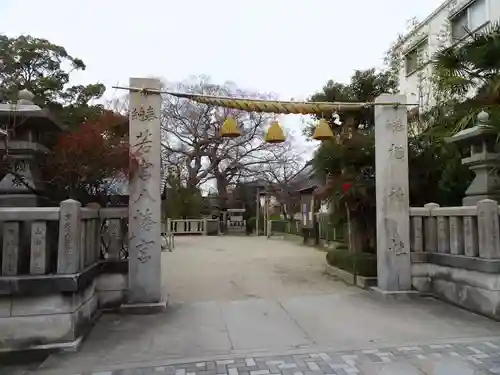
(287, 47)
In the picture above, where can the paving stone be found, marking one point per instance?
(250, 362)
(220, 369)
(206, 372)
(211, 366)
(260, 372)
(224, 362)
(313, 366)
(273, 369)
(285, 366)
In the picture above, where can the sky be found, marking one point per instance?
(287, 47)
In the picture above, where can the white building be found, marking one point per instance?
(446, 25)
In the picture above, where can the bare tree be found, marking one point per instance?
(191, 135)
(280, 174)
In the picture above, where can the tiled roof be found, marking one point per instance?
(306, 179)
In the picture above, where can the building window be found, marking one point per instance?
(415, 57)
(468, 19)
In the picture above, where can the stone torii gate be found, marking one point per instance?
(392, 187)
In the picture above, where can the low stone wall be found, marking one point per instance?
(58, 319)
(57, 311)
(473, 290)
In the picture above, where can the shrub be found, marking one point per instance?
(252, 221)
(362, 264)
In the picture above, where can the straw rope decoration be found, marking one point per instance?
(273, 106)
(268, 106)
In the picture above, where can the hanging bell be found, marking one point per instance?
(230, 128)
(274, 133)
(323, 131)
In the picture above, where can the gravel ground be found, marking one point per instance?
(240, 267)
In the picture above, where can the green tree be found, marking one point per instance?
(467, 75)
(44, 69)
(181, 201)
(348, 162)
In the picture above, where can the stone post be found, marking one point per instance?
(68, 249)
(430, 229)
(144, 294)
(257, 207)
(38, 247)
(392, 192)
(205, 227)
(489, 229)
(115, 238)
(10, 249)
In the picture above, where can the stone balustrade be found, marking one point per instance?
(469, 231)
(189, 226)
(59, 267)
(455, 254)
(114, 232)
(236, 226)
(60, 240)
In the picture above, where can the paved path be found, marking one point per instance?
(239, 298)
(458, 358)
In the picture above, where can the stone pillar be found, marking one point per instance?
(68, 249)
(115, 238)
(488, 229)
(144, 294)
(392, 187)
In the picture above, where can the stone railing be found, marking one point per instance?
(114, 232)
(236, 226)
(455, 254)
(187, 226)
(60, 240)
(59, 266)
(470, 231)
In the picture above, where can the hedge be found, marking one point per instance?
(363, 264)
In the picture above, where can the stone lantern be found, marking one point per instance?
(483, 159)
(26, 131)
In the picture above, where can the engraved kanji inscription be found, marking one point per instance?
(143, 143)
(397, 194)
(143, 250)
(144, 115)
(145, 218)
(395, 125)
(68, 238)
(144, 193)
(397, 152)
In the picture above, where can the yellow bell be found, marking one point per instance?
(323, 132)
(274, 133)
(230, 128)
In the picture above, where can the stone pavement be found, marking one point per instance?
(466, 357)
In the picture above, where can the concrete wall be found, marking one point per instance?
(436, 30)
(473, 290)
